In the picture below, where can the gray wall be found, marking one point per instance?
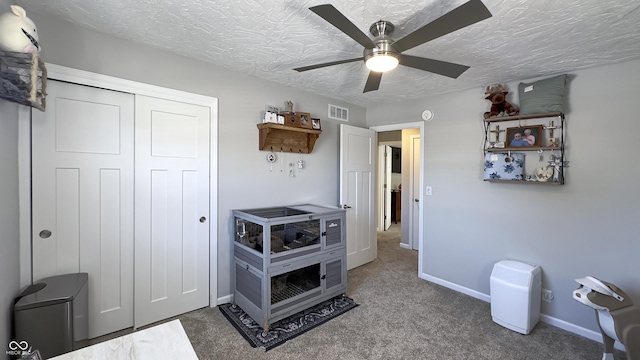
(9, 235)
(9, 232)
(395, 135)
(589, 226)
(245, 180)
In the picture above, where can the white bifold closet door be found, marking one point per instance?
(108, 202)
(82, 196)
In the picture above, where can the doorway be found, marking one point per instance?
(390, 184)
(410, 185)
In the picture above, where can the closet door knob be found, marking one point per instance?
(44, 234)
(203, 219)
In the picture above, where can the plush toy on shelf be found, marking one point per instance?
(18, 32)
(497, 95)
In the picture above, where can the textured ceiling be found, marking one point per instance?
(268, 38)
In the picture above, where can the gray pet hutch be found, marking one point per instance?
(288, 259)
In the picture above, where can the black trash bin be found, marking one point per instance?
(52, 315)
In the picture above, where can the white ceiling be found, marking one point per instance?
(523, 39)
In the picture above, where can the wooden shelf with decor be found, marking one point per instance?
(276, 137)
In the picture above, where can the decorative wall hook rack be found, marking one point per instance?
(287, 137)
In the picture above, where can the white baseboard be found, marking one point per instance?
(578, 330)
(456, 287)
(564, 325)
(405, 246)
(224, 300)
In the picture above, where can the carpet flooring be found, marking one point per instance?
(400, 317)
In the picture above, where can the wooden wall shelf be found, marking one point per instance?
(276, 137)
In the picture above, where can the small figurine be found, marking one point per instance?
(289, 104)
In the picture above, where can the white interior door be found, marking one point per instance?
(387, 187)
(82, 197)
(357, 186)
(172, 208)
(415, 190)
(384, 187)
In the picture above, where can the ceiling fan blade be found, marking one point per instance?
(317, 66)
(462, 16)
(435, 66)
(373, 81)
(335, 18)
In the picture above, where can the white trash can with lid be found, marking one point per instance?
(516, 292)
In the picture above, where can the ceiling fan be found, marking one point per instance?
(383, 54)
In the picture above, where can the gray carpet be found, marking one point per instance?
(400, 317)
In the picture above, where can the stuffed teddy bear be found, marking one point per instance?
(17, 32)
(497, 95)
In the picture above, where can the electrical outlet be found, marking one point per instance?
(547, 295)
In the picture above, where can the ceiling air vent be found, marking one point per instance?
(338, 113)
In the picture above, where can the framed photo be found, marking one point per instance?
(305, 120)
(271, 109)
(315, 124)
(524, 136)
(292, 120)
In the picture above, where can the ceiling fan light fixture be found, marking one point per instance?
(382, 62)
(382, 53)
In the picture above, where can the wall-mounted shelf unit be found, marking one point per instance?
(549, 155)
(276, 137)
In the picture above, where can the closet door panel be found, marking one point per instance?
(82, 194)
(172, 208)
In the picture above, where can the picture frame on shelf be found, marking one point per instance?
(524, 136)
(292, 120)
(315, 124)
(305, 120)
(271, 109)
